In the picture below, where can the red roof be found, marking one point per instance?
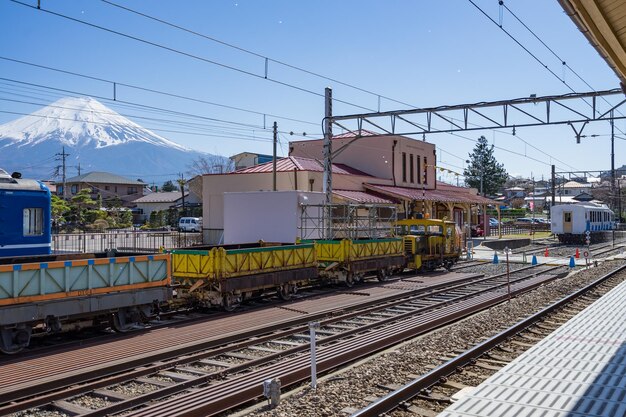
(450, 194)
(297, 163)
(363, 197)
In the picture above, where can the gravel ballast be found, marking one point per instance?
(341, 395)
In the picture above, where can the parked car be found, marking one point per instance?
(493, 222)
(190, 224)
(526, 221)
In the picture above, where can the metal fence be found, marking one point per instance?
(125, 240)
(512, 229)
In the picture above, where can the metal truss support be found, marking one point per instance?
(522, 112)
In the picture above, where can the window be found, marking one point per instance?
(404, 166)
(106, 188)
(132, 190)
(33, 221)
(419, 169)
(568, 217)
(74, 189)
(425, 170)
(411, 168)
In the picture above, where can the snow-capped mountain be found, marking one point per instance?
(95, 136)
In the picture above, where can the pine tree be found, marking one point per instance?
(483, 164)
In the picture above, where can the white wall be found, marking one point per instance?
(272, 216)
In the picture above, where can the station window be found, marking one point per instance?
(404, 166)
(425, 170)
(411, 169)
(33, 221)
(419, 169)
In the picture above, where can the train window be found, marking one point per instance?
(568, 217)
(33, 221)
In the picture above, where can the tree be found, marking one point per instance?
(81, 206)
(212, 164)
(169, 186)
(482, 164)
(60, 208)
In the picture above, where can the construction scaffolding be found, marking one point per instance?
(347, 221)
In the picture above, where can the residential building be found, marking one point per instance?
(392, 170)
(248, 159)
(159, 201)
(573, 188)
(106, 185)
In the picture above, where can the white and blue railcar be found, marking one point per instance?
(571, 222)
(25, 223)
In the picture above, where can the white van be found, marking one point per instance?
(190, 224)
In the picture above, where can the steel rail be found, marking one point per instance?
(234, 392)
(412, 389)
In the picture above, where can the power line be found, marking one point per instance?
(256, 54)
(139, 105)
(150, 90)
(187, 54)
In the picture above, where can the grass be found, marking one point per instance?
(536, 235)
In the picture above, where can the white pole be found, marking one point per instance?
(312, 327)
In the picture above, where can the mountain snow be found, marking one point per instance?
(96, 139)
(78, 122)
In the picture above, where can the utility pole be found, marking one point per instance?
(181, 182)
(63, 155)
(274, 155)
(552, 203)
(612, 161)
(328, 174)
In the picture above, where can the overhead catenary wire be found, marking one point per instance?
(142, 106)
(187, 54)
(155, 91)
(256, 54)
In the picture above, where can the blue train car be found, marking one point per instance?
(25, 217)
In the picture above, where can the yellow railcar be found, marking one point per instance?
(429, 243)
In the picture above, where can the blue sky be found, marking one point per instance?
(425, 53)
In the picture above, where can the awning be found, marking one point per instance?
(451, 194)
(363, 197)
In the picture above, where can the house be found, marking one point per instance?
(514, 192)
(390, 170)
(104, 185)
(248, 159)
(157, 202)
(573, 188)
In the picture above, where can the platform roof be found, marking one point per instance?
(447, 194)
(603, 22)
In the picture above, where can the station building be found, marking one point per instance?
(392, 170)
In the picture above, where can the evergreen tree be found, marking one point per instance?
(169, 186)
(483, 164)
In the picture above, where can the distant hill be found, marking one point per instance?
(96, 137)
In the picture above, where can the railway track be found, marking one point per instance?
(429, 393)
(219, 379)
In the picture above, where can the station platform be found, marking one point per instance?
(485, 253)
(579, 370)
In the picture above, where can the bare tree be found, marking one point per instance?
(212, 164)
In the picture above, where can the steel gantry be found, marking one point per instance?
(569, 109)
(574, 109)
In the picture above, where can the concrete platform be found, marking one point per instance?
(486, 254)
(577, 371)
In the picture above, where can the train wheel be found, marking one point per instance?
(14, 340)
(349, 279)
(383, 274)
(286, 291)
(229, 302)
(122, 321)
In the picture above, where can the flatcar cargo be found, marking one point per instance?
(227, 275)
(50, 295)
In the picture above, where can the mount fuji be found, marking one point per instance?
(96, 137)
